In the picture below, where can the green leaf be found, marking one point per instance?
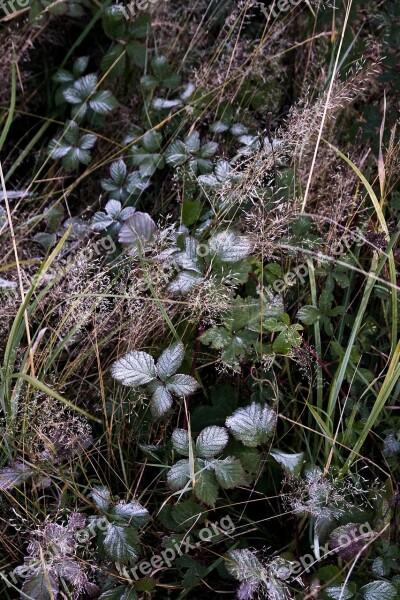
(135, 368)
(206, 487)
(292, 463)
(339, 593)
(379, 589)
(181, 442)
(114, 22)
(230, 246)
(188, 514)
(229, 472)
(191, 210)
(161, 402)
(286, 340)
(170, 360)
(216, 337)
(137, 231)
(101, 497)
(182, 385)
(179, 475)
(253, 425)
(122, 592)
(308, 314)
(211, 441)
(243, 565)
(133, 512)
(103, 102)
(121, 543)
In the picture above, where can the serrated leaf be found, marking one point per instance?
(379, 589)
(118, 171)
(253, 425)
(161, 402)
(243, 565)
(14, 476)
(308, 314)
(80, 65)
(176, 154)
(184, 282)
(216, 337)
(179, 475)
(211, 441)
(208, 150)
(181, 442)
(122, 592)
(133, 512)
(182, 385)
(101, 497)
(187, 514)
(292, 463)
(103, 102)
(121, 543)
(41, 586)
(136, 368)
(170, 360)
(219, 127)
(339, 593)
(206, 487)
(101, 221)
(230, 246)
(137, 231)
(229, 472)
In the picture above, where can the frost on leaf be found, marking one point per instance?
(253, 425)
(136, 368)
(211, 441)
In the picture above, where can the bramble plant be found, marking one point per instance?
(199, 308)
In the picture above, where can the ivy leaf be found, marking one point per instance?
(136, 368)
(182, 385)
(211, 441)
(121, 543)
(161, 401)
(179, 475)
(253, 425)
(206, 487)
(229, 472)
(170, 360)
(308, 314)
(292, 463)
(181, 441)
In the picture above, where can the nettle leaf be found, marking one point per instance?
(101, 497)
(206, 486)
(253, 425)
(211, 441)
(229, 246)
(41, 586)
(170, 360)
(121, 543)
(179, 475)
(137, 231)
(133, 512)
(136, 368)
(181, 441)
(379, 589)
(292, 463)
(161, 402)
(229, 472)
(182, 385)
(308, 314)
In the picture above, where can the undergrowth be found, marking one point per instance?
(199, 311)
